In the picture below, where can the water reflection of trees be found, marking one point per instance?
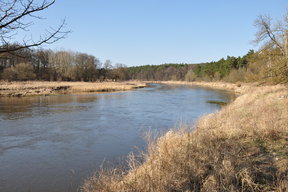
(23, 107)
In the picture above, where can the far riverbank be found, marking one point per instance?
(44, 88)
(239, 88)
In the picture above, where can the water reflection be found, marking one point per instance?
(43, 138)
(12, 108)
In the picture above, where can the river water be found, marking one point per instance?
(52, 143)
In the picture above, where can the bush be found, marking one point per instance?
(236, 76)
(9, 74)
(279, 71)
(20, 72)
(190, 76)
(217, 76)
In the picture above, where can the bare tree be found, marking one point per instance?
(120, 72)
(62, 64)
(86, 67)
(16, 15)
(273, 35)
(274, 53)
(107, 65)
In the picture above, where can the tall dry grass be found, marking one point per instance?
(243, 147)
(238, 88)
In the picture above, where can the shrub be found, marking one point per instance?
(9, 74)
(236, 76)
(279, 71)
(21, 72)
(217, 76)
(190, 76)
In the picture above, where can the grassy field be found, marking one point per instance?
(31, 88)
(243, 147)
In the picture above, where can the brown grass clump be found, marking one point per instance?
(243, 147)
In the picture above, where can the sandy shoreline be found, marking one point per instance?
(44, 88)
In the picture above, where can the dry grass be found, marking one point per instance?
(243, 147)
(29, 88)
(238, 88)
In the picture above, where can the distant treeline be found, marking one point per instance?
(267, 65)
(212, 71)
(25, 62)
(29, 64)
(62, 65)
(164, 72)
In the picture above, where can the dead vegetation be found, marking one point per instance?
(30, 88)
(243, 147)
(238, 88)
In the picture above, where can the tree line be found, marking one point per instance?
(25, 61)
(63, 65)
(38, 64)
(162, 72)
(211, 71)
(48, 65)
(267, 65)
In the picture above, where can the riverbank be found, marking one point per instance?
(238, 89)
(243, 147)
(33, 88)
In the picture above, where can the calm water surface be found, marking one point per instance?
(51, 144)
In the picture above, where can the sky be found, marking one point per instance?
(141, 32)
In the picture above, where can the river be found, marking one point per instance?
(52, 143)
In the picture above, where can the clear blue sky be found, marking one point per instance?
(139, 32)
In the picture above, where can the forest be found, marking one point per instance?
(49, 65)
(267, 65)
(29, 61)
(212, 71)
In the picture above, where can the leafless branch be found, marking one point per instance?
(267, 32)
(12, 16)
